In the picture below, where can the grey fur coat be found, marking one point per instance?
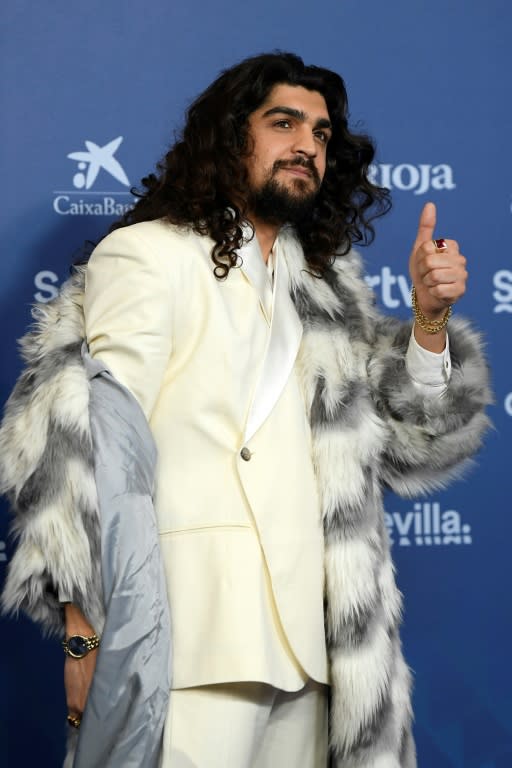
(371, 430)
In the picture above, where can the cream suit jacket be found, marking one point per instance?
(212, 365)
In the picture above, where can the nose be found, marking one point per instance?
(305, 142)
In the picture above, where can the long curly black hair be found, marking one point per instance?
(202, 175)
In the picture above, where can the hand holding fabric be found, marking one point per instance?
(78, 673)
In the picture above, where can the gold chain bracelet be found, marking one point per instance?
(429, 326)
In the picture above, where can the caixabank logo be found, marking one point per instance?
(409, 177)
(428, 525)
(96, 170)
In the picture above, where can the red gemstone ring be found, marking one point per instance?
(440, 244)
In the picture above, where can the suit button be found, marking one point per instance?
(245, 453)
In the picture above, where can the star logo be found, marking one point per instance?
(96, 158)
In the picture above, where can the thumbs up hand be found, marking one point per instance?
(439, 277)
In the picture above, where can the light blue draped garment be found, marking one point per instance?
(123, 722)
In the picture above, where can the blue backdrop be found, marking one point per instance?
(428, 79)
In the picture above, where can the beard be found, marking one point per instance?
(278, 203)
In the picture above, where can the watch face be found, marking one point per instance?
(77, 646)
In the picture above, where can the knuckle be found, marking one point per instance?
(444, 292)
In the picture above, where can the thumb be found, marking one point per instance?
(426, 225)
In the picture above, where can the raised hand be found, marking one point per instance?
(439, 276)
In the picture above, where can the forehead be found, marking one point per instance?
(312, 103)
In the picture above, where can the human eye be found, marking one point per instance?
(322, 136)
(283, 122)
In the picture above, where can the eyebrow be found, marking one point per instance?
(322, 122)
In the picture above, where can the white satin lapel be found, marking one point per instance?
(282, 349)
(255, 271)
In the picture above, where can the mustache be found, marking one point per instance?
(303, 162)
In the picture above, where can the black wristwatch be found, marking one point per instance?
(79, 646)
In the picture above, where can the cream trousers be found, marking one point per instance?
(246, 725)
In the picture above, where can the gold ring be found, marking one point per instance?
(74, 721)
(440, 244)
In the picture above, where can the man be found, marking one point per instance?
(229, 308)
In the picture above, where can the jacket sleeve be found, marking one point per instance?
(47, 472)
(430, 439)
(128, 312)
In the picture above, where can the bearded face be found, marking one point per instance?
(279, 202)
(289, 135)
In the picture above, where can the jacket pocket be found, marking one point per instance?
(222, 611)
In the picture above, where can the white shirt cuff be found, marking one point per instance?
(64, 597)
(429, 371)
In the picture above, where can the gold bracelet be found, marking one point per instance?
(429, 326)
